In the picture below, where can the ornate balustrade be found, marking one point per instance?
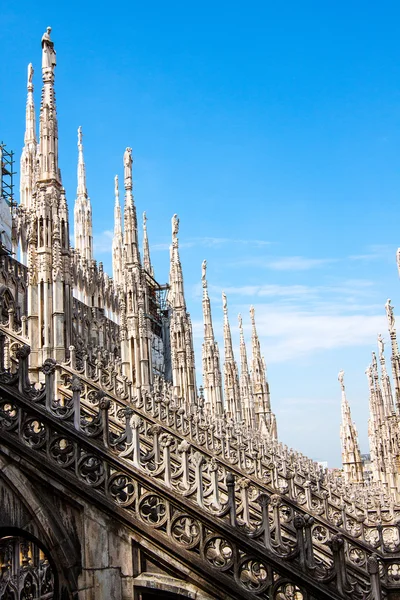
(210, 529)
(143, 436)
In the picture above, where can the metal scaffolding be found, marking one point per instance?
(7, 201)
(7, 173)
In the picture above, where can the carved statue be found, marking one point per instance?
(390, 315)
(252, 314)
(128, 167)
(30, 75)
(116, 192)
(381, 345)
(341, 379)
(240, 321)
(144, 219)
(48, 52)
(224, 302)
(175, 226)
(203, 271)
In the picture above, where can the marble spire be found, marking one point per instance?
(395, 351)
(212, 380)
(48, 139)
(246, 393)
(117, 243)
(181, 334)
(265, 419)
(82, 209)
(28, 170)
(146, 249)
(131, 243)
(388, 404)
(351, 457)
(231, 373)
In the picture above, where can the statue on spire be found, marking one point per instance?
(390, 315)
(381, 346)
(30, 77)
(204, 273)
(341, 379)
(224, 303)
(48, 52)
(398, 259)
(116, 191)
(79, 137)
(128, 168)
(175, 227)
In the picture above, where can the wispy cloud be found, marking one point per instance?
(375, 252)
(286, 335)
(298, 263)
(102, 242)
(285, 263)
(211, 242)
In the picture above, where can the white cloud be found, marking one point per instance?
(289, 334)
(286, 263)
(298, 263)
(102, 242)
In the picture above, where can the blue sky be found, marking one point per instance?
(273, 130)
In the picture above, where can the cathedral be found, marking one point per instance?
(120, 477)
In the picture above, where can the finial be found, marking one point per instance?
(128, 168)
(381, 346)
(204, 273)
(224, 304)
(144, 220)
(81, 190)
(390, 315)
(341, 379)
(116, 190)
(30, 77)
(48, 52)
(175, 228)
(374, 362)
(80, 137)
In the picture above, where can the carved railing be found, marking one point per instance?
(179, 507)
(81, 429)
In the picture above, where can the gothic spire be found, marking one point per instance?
(117, 243)
(130, 219)
(181, 335)
(386, 386)
(30, 123)
(351, 457)
(264, 416)
(212, 380)
(82, 209)
(208, 326)
(176, 296)
(231, 374)
(48, 142)
(395, 351)
(81, 189)
(146, 250)
(28, 156)
(245, 383)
